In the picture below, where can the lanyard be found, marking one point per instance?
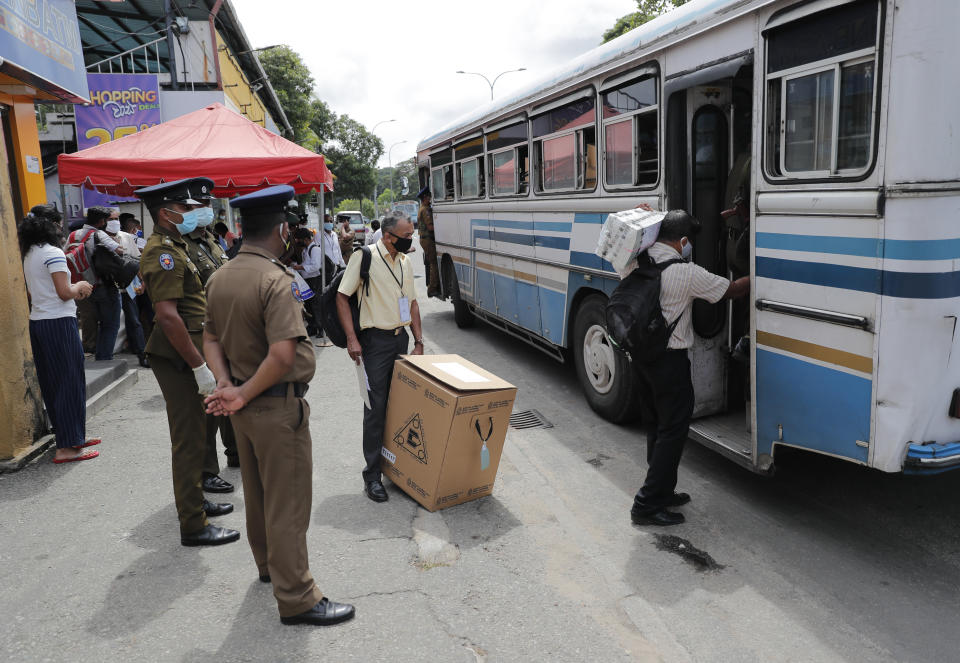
(390, 269)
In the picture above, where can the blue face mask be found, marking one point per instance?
(140, 234)
(328, 226)
(205, 216)
(188, 221)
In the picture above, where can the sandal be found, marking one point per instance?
(86, 456)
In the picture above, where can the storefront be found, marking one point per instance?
(40, 60)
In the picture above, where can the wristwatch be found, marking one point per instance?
(418, 341)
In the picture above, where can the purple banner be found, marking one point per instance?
(121, 104)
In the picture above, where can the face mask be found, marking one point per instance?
(188, 221)
(140, 234)
(205, 216)
(686, 251)
(402, 244)
(285, 240)
(328, 226)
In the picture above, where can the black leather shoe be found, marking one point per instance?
(233, 461)
(678, 499)
(143, 360)
(661, 517)
(325, 613)
(211, 535)
(265, 577)
(214, 484)
(376, 491)
(214, 509)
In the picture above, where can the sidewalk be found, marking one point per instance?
(106, 381)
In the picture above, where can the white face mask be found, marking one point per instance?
(686, 250)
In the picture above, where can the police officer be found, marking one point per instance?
(173, 281)
(425, 225)
(259, 350)
(206, 253)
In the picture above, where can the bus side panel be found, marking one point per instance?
(528, 295)
(919, 366)
(552, 298)
(814, 379)
(477, 229)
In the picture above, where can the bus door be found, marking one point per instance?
(708, 146)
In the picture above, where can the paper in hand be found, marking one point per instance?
(363, 383)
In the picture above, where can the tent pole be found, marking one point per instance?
(323, 268)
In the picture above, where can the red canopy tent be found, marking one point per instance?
(237, 154)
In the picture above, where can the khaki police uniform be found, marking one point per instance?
(170, 274)
(383, 337)
(428, 244)
(252, 305)
(207, 254)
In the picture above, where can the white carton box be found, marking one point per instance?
(625, 234)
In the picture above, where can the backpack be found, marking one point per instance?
(112, 267)
(328, 303)
(76, 255)
(635, 322)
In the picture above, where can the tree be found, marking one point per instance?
(647, 10)
(355, 179)
(293, 83)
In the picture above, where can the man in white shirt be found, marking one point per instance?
(331, 246)
(100, 313)
(376, 235)
(668, 398)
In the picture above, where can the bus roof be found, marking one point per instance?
(675, 25)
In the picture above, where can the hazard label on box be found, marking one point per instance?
(411, 438)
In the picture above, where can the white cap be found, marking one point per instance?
(113, 226)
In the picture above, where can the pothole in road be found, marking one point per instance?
(698, 559)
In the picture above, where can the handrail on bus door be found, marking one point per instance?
(845, 319)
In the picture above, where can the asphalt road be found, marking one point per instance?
(823, 562)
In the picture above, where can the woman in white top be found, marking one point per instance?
(55, 337)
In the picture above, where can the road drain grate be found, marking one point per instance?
(528, 419)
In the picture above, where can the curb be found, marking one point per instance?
(95, 404)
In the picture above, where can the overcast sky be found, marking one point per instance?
(379, 60)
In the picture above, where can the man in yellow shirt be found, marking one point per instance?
(387, 308)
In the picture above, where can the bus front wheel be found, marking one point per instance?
(607, 379)
(461, 312)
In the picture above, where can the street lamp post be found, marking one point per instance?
(376, 208)
(390, 164)
(474, 73)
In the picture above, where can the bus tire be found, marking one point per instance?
(461, 312)
(606, 376)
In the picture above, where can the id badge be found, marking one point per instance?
(404, 304)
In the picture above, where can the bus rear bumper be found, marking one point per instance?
(932, 458)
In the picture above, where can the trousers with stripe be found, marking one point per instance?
(58, 356)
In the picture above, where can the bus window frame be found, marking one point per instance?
(514, 150)
(580, 156)
(435, 198)
(458, 177)
(837, 63)
(652, 71)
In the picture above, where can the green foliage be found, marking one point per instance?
(347, 204)
(366, 208)
(385, 199)
(293, 83)
(647, 10)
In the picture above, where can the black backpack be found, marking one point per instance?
(112, 267)
(635, 323)
(328, 303)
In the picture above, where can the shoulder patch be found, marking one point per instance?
(166, 261)
(295, 289)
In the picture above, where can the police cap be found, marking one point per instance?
(266, 207)
(425, 191)
(189, 191)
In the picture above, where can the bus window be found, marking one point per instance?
(631, 154)
(441, 184)
(508, 166)
(470, 176)
(565, 140)
(821, 91)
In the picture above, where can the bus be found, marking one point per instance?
(816, 141)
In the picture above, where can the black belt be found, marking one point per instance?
(280, 389)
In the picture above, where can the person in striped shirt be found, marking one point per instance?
(667, 385)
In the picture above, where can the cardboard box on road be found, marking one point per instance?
(446, 422)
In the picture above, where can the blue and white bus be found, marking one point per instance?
(817, 141)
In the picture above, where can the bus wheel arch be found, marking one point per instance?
(605, 375)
